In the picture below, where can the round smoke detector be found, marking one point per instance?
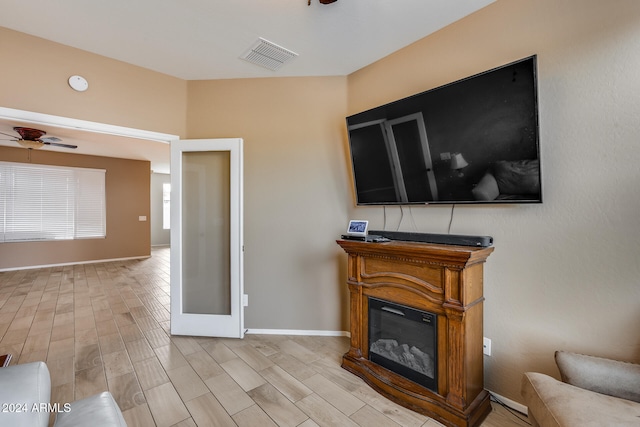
(78, 83)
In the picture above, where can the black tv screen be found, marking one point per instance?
(471, 141)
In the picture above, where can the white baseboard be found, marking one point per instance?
(510, 403)
(315, 333)
(94, 261)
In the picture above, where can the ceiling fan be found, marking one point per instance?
(324, 2)
(32, 138)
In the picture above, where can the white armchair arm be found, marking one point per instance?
(23, 388)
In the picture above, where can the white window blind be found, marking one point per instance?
(39, 202)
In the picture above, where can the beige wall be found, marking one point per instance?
(35, 73)
(127, 195)
(296, 192)
(564, 274)
(34, 78)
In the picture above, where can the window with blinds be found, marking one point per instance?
(39, 202)
(166, 206)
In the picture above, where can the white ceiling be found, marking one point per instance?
(203, 39)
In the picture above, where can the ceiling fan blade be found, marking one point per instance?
(59, 145)
(50, 139)
(12, 136)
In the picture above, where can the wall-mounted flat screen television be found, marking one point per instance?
(475, 140)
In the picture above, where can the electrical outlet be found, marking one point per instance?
(245, 300)
(486, 346)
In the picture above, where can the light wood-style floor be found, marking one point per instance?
(105, 326)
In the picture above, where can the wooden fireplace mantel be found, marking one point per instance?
(445, 280)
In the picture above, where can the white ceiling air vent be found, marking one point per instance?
(268, 55)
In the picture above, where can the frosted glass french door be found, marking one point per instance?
(206, 238)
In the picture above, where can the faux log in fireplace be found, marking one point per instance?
(435, 368)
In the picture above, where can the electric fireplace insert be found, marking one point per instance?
(403, 340)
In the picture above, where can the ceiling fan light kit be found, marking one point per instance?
(31, 144)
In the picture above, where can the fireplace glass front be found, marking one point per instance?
(403, 340)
